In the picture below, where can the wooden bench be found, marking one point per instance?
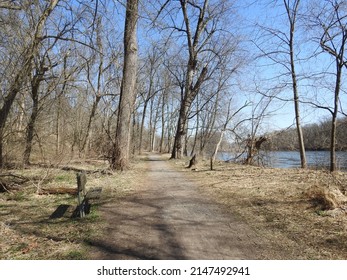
(83, 197)
(83, 207)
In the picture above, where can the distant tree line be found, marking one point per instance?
(317, 137)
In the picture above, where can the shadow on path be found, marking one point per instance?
(170, 219)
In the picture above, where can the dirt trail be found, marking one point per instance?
(169, 218)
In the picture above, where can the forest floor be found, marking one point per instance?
(161, 210)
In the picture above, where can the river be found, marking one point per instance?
(291, 159)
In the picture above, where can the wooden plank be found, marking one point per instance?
(81, 181)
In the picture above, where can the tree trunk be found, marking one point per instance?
(84, 147)
(4, 112)
(189, 95)
(57, 128)
(253, 148)
(31, 125)
(193, 162)
(177, 149)
(333, 145)
(151, 125)
(154, 128)
(196, 134)
(292, 13)
(161, 144)
(334, 118)
(121, 151)
(213, 157)
(191, 89)
(142, 125)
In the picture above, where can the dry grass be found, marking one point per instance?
(302, 212)
(28, 232)
(286, 206)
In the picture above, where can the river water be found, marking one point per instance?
(291, 159)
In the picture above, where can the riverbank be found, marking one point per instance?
(285, 206)
(291, 159)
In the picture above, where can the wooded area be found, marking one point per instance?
(317, 137)
(107, 79)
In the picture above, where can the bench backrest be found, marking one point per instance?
(81, 191)
(81, 182)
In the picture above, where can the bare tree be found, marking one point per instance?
(96, 85)
(191, 87)
(229, 116)
(292, 8)
(283, 52)
(260, 110)
(332, 20)
(205, 40)
(23, 72)
(150, 79)
(38, 77)
(121, 150)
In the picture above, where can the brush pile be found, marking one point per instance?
(328, 198)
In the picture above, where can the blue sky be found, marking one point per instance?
(267, 73)
(260, 72)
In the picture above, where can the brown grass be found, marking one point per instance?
(300, 211)
(28, 232)
(290, 207)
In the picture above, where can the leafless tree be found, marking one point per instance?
(292, 9)
(283, 52)
(150, 80)
(260, 111)
(121, 150)
(224, 127)
(39, 76)
(332, 20)
(19, 78)
(192, 86)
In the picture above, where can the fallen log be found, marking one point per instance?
(7, 187)
(58, 190)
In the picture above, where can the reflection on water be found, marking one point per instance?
(290, 159)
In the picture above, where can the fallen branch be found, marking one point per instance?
(11, 182)
(21, 178)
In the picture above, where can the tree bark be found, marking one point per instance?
(163, 102)
(193, 162)
(334, 118)
(31, 125)
(121, 151)
(177, 149)
(213, 157)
